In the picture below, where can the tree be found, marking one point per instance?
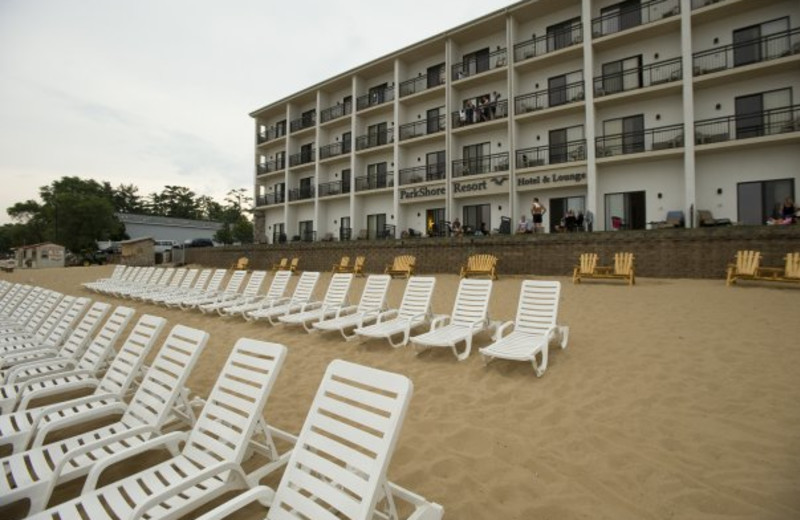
(126, 200)
(236, 226)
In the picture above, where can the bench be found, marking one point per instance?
(480, 265)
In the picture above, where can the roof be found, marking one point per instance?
(152, 220)
(40, 244)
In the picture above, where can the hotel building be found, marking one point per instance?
(619, 111)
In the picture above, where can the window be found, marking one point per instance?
(476, 158)
(376, 134)
(346, 174)
(559, 90)
(377, 94)
(621, 16)
(435, 165)
(376, 225)
(757, 114)
(625, 210)
(306, 191)
(623, 135)
(476, 215)
(563, 34)
(625, 74)
(752, 44)
(760, 200)
(345, 231)
(306, 228)
(561, 206)
(279, 233)
(347, 142)
(559, 144)
(376, 175)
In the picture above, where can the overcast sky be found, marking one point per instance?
(157, 92)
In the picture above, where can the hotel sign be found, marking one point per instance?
(421, 193)
(489, 186)
(550, 180)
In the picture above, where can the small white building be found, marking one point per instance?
(37, 256)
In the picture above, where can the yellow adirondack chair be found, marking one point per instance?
(622, 269)
(343, 266)
(588, 263)
(402, 265)
(480, 265)
(745, 267)
(280, 266)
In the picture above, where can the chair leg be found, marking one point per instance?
(540, 367)
(563, 330)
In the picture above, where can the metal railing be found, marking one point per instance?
(269, 134)
(551, 154)
(634, 16)
(550, 42)
(334, 149)
(497, 162)
(744, 126)
(647, 140)
(420, 83)
(770, 47)
(430, 172)
(480, 114)
(335, 112)
(424, 127)
(640, 77)
(697, 4)
(303, 122)
(375, 98)
(571, 93)
(375, 181)
(268, 199)
(308, 235)
(333, 188)
(274, 165)
(299, 158)
(376, 139)
(345, 233)
(278, 237)
(301, 193)
(474, 66)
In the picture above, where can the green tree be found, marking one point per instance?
(126, 199)
(236, 226)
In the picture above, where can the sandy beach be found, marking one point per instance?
(676, 399)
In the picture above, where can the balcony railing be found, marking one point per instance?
(271, 166)
(333, 188)
(278, 237)
(375, 181)
(634, 16)
(420, 83)
(644, 141)
(345, 233)
(335, 112)
(480, 114)
(697, 4)
(424, 127)
(640, 77)
(303, 157)
(553, 154)
(269, 134)
(268, 199)
(375, 98)
(744, 126)
(475, 66)
(375, 139)
(430, 172)
(766, 48)
(550, 42)
(497, 162)
(308, 235)
(301, 193)
(571, 93)
(334, 149)
(306, 121)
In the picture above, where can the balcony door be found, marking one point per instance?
(563, 34)
(280, 192)
(752, 44)
(755, 113)
(625, 210)
(558, 143)
(621, 75)
(560, 207)
(306, 153)
(347, 142)
(435, 75)
(434, 222)
(280, 160)
(345, 231)
(476, 158)
(476, 215)
(432, 120)
(758, 201)
(627, 134)
(377, 94)
(346, 180)
(621, 16)
(557, 88)
(435, 165)
(376, 175)
(476, 62)
(305, 187)
(306, 230)
(376, 134)
(376, 225)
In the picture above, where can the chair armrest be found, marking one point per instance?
(28, 392)
(501, 330)
(439, 320)
(64, 364)
(263, 494)
(341, 311)
(310, 306)
(57, 424)
(386, 314)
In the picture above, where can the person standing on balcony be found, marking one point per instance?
(537, 211)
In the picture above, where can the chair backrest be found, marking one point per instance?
(26, 310)
(254, 283)
(278, 285)
(338, 288)
(44, 309)
(153, 401)
(588, 263)
(216, 280)
(305, 287)
(99, 349)
(82, 335)
(235, 282)
(57, 326)
(164, 276)
(242, 263)
(623, 263)
(236, 403)
(537, 310)
(348, 437)
(358, 266)
(417, 297)
(472, 301)
(195, 279)
(150, 275)
(792, 269)
(294, 264)
(403, 263)
(282, 264)
(374, 295)
(483, 262)
(123, 369)
(747, 262)
(177, 277)
(344, 262)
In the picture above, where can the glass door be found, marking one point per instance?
(376, 225)
(435, 164)
(746, 47)
(432, 117)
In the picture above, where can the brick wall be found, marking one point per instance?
(663, 253)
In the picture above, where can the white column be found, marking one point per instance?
(589, 127)
(689, 178)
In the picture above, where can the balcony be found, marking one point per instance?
(481, 114)
(421, 83)
(301, 123)
(270, 199)
(270, 134)
(375, 181)
(697, 4)
(326, 189)
(424, 127)
(474, 66)
(548, 43)
(653, 74)
(375, 98)
(552, 154)
(769, 122)
(497, 162)
(335, 112)
(301, 193)
(307, 235)
(364, 142)
(758, 50)
(634, 16)
(303, 157)
(541, 99)
(334, 149)
(431, 172)
(275, 165)
(649, 140)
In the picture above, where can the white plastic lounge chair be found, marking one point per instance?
(469, 317)
(32, 315)
(129, 274)
(415, 310)
(33, 474)
(54, 331)
(335, 298)
(210, 462)
(161, 279)
(373, 301)
(49, 374)
(534, 328)
(193, 280)
(214, 281)
(230, 291)
(338, 466)
(172, 278)
(18, 428)
(146, 277)
(300, 297)
(12, 301)
(274, 296)
(249, 294)
(116, 274)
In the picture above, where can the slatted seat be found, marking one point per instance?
(585, 267)
(335, 298)
(372, 303)
(790, 272)
(301, 296)
(274, 296)
(248, 294)
(480, 265)
(343, 266)
(215, 294)
(280, 266)
(415, 310)
(402, 266)
(744, 267)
